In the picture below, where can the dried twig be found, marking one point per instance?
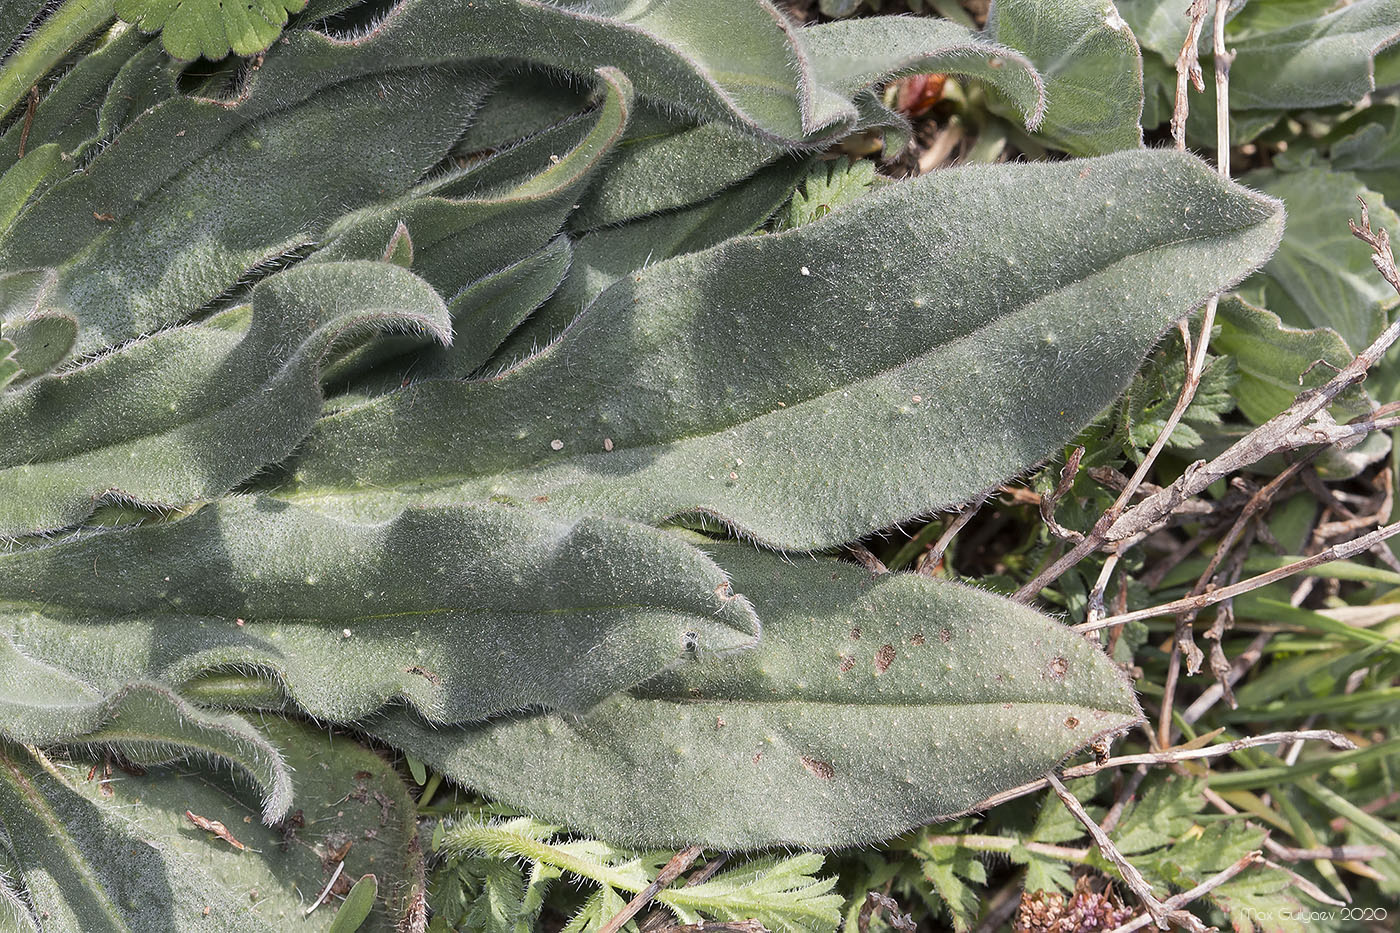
(1188, 68)
(669, 872)
(933, 555)
(28, 119)
(1179, 901)
(1163, 916)
(1167, 756)
(875, 903)
(1187, 65)
(1343, 551)
(1282, 432)
(1048, 503)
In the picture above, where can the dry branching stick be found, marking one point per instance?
(1167, 756)
(1343, 551)
(1179, 901)
(1284, 431)
(1163, 915)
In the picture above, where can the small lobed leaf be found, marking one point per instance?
(868, 707)
(190, 29)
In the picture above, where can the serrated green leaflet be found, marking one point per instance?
(1092, 68)
(190, 411)
(869, 706)
(427, 608)
(781, 893)
(991, 368)
(118, 853)
(211, 28)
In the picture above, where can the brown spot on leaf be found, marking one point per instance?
(1059, 667)
(848, 661)
(1072, 722)
(757, 757)
(917, 640)
(855, 633)
(884, 658)
(105, 218)
(818, 767)
(945, 635)
(425, 673)
(215, 827)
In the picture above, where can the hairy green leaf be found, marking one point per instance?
(1321, 275)
(121, 854)
(1314, 61)
(211, 28)
(69, 114)
(868, 707)
(777, 369)
(146, 723)
(431, 608)
(1371, 150)
(1276, 362)
(191, 411)
(1092, 68)
(603, 256)
(459, 239)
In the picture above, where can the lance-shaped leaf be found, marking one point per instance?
(991, 314)
(851, 56)
(1314, 61)
(662, 165)
(124, 851)
(738, 61)
(191, 411)
(463, 612)
(487, 312)
(869, 707)
(1092, 68)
